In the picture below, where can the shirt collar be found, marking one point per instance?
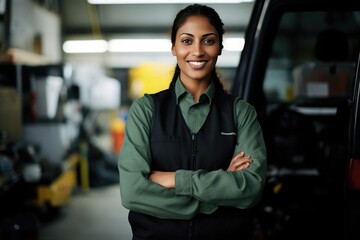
(208, 95)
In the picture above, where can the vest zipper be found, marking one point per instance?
(194, 150)
(191, 233)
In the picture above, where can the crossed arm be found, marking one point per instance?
(167, 179)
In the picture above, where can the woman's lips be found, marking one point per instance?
(197, 64)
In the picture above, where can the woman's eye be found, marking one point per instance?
(186, 41)
(209, 41)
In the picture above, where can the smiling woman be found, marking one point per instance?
(196, 47)
(193, 160)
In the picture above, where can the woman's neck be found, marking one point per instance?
(195, 87)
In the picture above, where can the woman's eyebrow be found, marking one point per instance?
(192, 35)
(209, 34)
(187, 34)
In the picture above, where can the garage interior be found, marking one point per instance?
(59, 135)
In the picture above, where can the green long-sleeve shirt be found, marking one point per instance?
(198, 191)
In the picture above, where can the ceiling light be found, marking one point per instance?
(139, 45)
(165, 1)
(85, 46)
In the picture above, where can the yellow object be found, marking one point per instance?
(149, 78)
(117, 125)
(59, 191)
(277, 188)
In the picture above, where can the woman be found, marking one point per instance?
(185, 165)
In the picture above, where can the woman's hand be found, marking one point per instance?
(239, 162)
(165, 179)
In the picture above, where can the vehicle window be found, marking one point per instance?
(305, 66)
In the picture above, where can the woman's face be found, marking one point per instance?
(196, 48)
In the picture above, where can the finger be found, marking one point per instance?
(243, 161)
(240, 154)
(243, 166)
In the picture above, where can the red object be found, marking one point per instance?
(117, 138)
(354, 174)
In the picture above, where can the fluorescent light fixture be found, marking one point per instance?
(139, 45)
(165, 1)
(85, 46)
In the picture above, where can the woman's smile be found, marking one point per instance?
(197, 65)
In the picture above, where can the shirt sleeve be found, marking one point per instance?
(241, 189)
(138, 193)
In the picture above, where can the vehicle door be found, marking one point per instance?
(299, 68)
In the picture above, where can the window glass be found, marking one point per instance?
(307, 65)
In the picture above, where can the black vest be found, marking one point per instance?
(174, 147)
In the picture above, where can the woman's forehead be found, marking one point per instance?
(195, 25)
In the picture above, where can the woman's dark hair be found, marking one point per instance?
(215, 21)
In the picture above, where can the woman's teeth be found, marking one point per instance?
(197, 64)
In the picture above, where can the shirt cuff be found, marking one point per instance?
(183, 183)
(207, 208)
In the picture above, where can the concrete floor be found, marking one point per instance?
(93, 215)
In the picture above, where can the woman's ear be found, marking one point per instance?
(173, 50)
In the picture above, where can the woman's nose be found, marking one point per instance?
(197, 49)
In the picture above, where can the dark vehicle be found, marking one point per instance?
(300, 69)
